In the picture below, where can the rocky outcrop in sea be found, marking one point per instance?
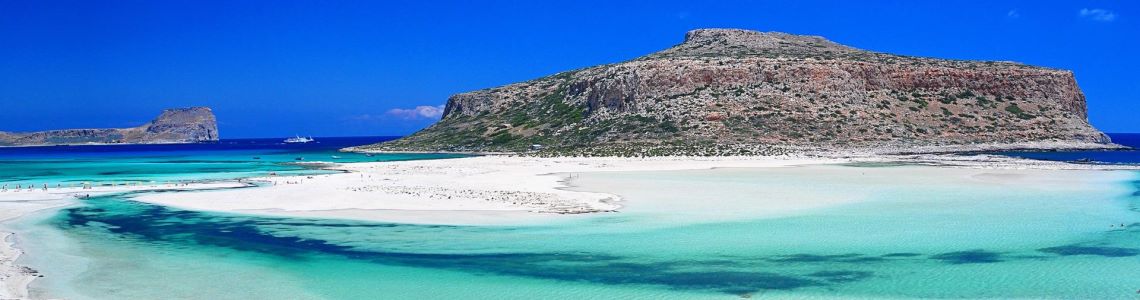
(731, 92)
(176, 125)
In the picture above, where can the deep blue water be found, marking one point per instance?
(272, 150)
(1131, 157)
(260, 145)
(226, 159)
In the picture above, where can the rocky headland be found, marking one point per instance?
(176, 125)
(741, 92)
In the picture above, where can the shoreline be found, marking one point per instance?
(826, 151)
(477, 190)
(491, 190)
(483, 190)
(14, 277)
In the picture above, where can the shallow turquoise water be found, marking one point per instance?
(913, 233)
(124, 163)
(902, 241)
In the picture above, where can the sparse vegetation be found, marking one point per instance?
(1014, 109)
(721, 98)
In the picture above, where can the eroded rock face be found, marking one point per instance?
(194, 124)
(757, 90)
(177, 125)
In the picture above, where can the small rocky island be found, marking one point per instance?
(741, 92)
(176, 125)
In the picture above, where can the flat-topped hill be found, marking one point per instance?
(731, 91)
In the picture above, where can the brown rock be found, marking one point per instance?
(744, 89)
(177, 125)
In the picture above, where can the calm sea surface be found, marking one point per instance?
(1131, 157)
(226, 159)
(684, 234)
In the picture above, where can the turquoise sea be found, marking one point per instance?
(916, 232)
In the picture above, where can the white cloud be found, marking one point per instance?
(1013, 14)
(1097, 14)
(422, 112)
(419, 112)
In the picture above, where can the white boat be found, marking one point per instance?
(299, 140)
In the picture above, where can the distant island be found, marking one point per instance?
(176, 125)
(742, 92)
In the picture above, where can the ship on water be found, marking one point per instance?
(299, 140)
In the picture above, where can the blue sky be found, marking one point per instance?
(340, 68)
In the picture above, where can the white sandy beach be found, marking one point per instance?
(476, 190)
(495, 189)
(14, 278)
(487, 190)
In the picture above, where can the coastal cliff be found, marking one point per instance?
(177, 125)
(731, 91)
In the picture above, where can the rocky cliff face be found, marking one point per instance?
(748, 92)
(178, 125)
